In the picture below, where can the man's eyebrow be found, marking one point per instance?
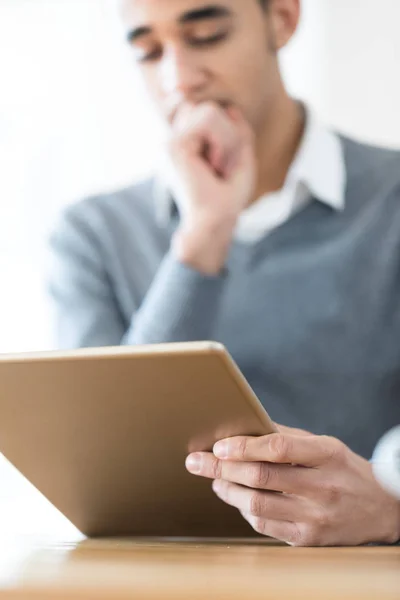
(205, 13)
(199, 14)
(134, 34)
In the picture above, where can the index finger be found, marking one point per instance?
(306, 451)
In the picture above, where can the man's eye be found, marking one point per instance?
(208, 40)
(143, 57)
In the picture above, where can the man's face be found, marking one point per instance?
(198, 50)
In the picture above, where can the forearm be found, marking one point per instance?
(181, 305)
(184, 301)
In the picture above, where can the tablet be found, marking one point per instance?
(104, 434)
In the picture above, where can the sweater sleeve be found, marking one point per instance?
(181, 304)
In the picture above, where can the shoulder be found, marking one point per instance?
(136, 201)
(98, 216)
(372, 163)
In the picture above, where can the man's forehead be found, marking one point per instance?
(168, 9)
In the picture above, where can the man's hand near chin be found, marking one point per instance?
(329, 496)
(213, 161)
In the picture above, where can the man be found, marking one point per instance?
(270, 234)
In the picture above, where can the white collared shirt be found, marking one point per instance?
(318, 171)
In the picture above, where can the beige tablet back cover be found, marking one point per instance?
(104, 434)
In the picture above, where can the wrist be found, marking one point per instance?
(204, 247)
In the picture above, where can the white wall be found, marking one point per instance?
(348, 65)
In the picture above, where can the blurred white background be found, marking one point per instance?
(75, 120)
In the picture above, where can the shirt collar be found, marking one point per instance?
(319, 166)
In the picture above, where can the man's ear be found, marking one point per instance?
(283, 19)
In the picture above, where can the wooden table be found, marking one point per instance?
(117, 570)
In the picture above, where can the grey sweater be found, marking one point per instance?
(311, 313)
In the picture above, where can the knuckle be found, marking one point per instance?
(216, 469)
(208, 113)
(241, 449)
(260, 475)
(305, 535)
(256, 505)
(295, 536)
(279, 447)
(337, 451)
(259, 525)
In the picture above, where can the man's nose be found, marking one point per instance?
(182, 75)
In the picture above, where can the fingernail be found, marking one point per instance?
(193, 463)
(221, 449)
